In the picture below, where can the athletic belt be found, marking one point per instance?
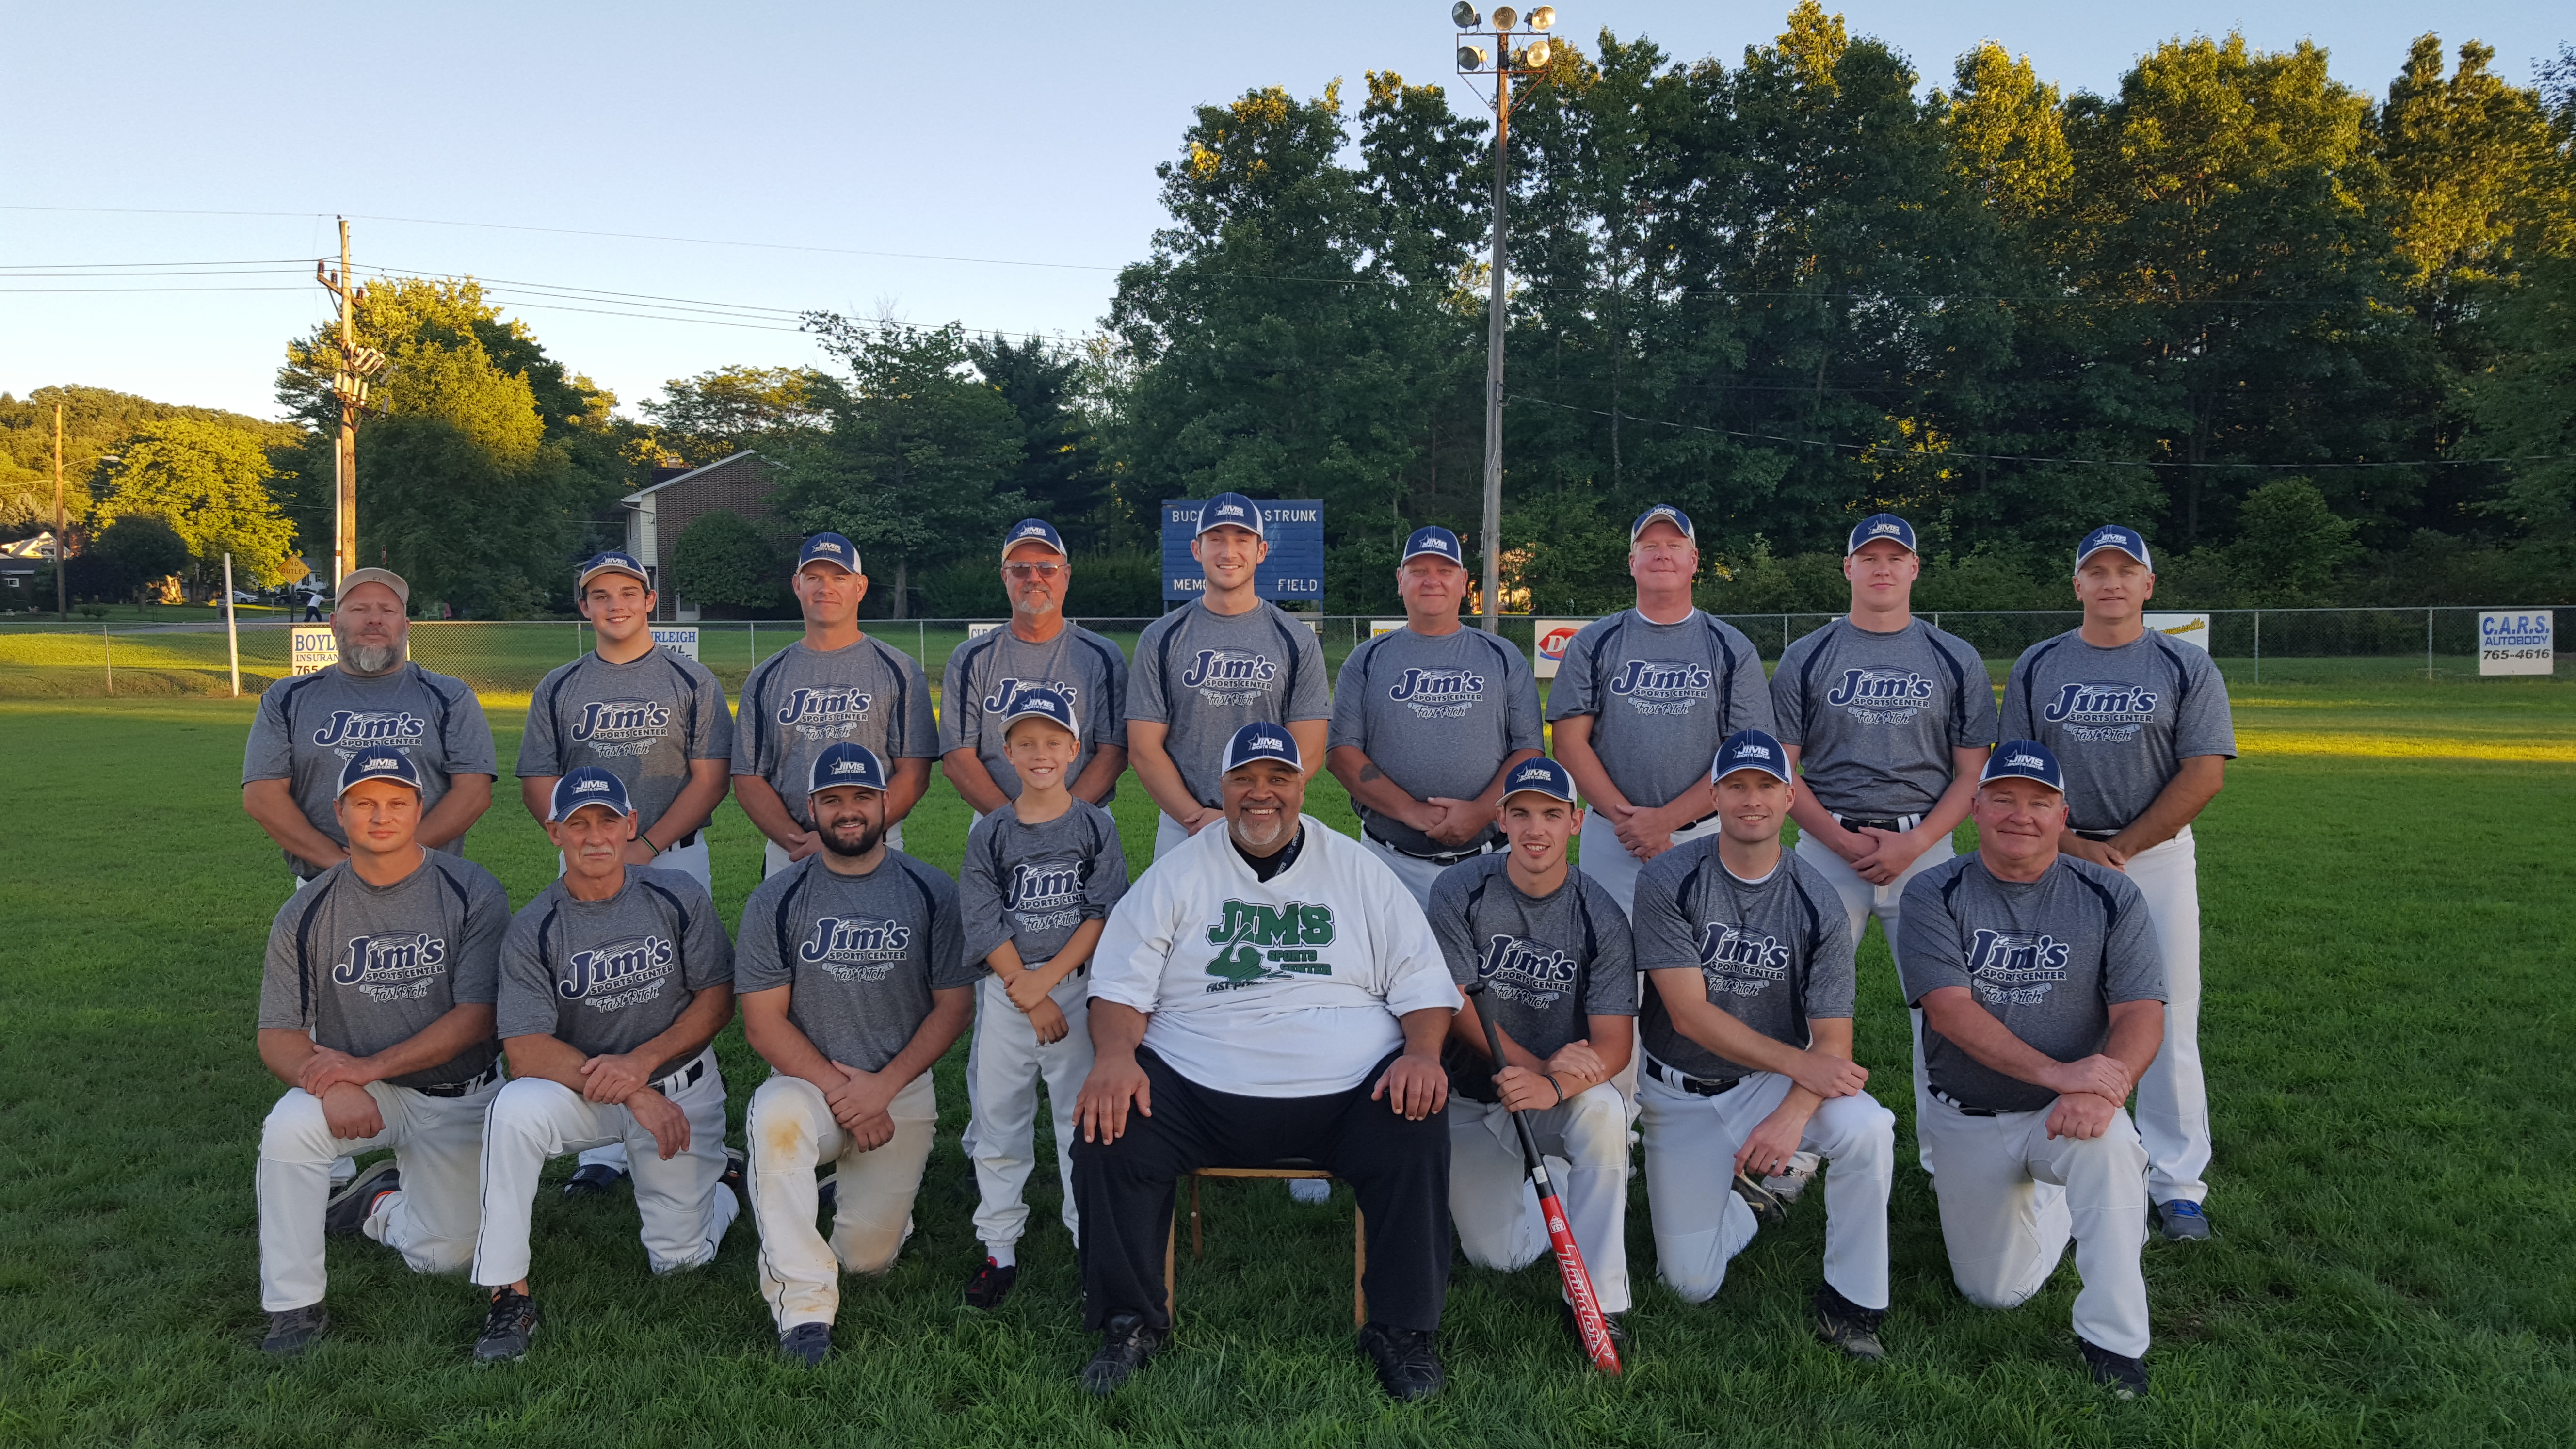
(685, 1076)
(683, 843)
(1962, 1108)
(2097, 834)
(463, 1089)
(1684, 1082)
(1450, 858)
(1856, 825)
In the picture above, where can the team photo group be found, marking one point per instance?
(1568, 945)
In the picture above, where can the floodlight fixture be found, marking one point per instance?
(1464, 16)
(1505, 17)
(1543, 17)
(1471, 57)
(1535, 54)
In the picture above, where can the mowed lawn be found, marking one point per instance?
(2388, 1009)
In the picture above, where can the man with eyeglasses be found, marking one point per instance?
(1038, 649)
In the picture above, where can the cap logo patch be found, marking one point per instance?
(1752, 752)
(1267, 743)
(590, 787)
(849, 767)
(2031, 761)
(382, 762)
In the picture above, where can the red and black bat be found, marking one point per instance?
(1560, 1233)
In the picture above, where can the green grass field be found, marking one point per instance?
(2386, 889)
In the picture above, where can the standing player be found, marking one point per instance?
(375, 1009)
(1642, 698)
(1428, 720)
(2043, 1003)
(2142, 726)
(1749, 1053)
(1039, 648)
(1040, 875)
(613, 982)
(835, 684)
(853, 980)
(1207, 669)
(654, 718)
(1552, 948)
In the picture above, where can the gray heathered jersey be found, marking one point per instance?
(2048, 959)
(1549, 963)
(364, 967)
(609, 976)
(860, 954)
(1034, 885)
(985, 676)
(1875, 716)
(1436, 715)
(798, 703)
(642, 721)
(1203, 675)
(308, 727)
(2121, 721)
(1774, 953)
(1663, 697)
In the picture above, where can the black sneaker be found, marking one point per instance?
(1848, 1326)
(2182, 1221)
(806, 1344)
(1127, 1342)
(507, 1328)
(2125, 1377)
(737, 1168)
(1768, 1210)
(294, 1330)
(991, 1284)
(347, 1211)
(593, 1179)
(1615, 1324)
(1407, 1359)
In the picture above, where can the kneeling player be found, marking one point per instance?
(375, 1009)
(1552, 948)
(613, 982)
(2043, 1000)
(853, 979)
(1748, 1041)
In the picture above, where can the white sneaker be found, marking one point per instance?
(1310, 1190)
(1787, 1185)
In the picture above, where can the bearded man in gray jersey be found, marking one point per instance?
(1038, 649)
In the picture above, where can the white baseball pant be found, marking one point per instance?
(432, 1221)
(684, 1208)
(1700, 1224)
(792, 1132)
(694, 861)
(1168, 835)
(1004, 1065)
(1495, 1207)
(773, 860)
(1417, 874)
(2006, 1235)
(2173, 1099)
(1862, 900)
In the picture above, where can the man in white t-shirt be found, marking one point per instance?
(1265, 992)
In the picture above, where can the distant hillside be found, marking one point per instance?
(95, 421)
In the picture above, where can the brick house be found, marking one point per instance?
(659, 513)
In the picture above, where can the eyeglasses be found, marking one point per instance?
(1027, 571)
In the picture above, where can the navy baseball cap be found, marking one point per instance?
(377, 765)
(1668, 514)
(589, 785)
(829, 548)
(2112, 535)
(1261, 742)
(611, 561)
(1049, 704)
(2023, 760)
(1878, 526)
(1032, 530)
(1543, 775)
(1750, 750)
(1436, 541)
(1231, 508)
(847, 764)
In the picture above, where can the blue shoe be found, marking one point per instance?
(2182, 1221)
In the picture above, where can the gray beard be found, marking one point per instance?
(370, 659)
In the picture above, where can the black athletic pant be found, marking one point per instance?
(1400, 1170)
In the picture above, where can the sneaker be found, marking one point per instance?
(991, 1284)
(294, 1330)
(1407, 1359)
(1127, 1343)
(1788, 1185)
(593, 1179)
(348, 1209)
(806, 1344)
(2125, 1377)
(1309, 1190)
(1616, 1324)
(736, 1175)
(1848, 1326)
(1768, 1210)
(827, 1194)
(2182, 1221)
(507, 1328)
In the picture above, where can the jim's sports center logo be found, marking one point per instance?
(1006, 693)
(2102, 709)
(348, 731)
(1738, 960)
(1045, 894)
(856, 948)
(1261, 942)
(621, 726)
(1533, 973)
(1662, 686)
(1880, 696)
(824, 713)
(2015, 968)
(1230, 676)
(392, 968)
(1438, 693)
(619, 974)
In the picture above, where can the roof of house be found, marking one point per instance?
(638, 495)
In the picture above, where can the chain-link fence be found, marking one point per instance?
(505, 659)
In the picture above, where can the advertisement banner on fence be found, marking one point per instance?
(1384, 626)
(2515, 643)
(978, 631)
(1553, 635)
(1294, 570)
(2188, 628)
(679, 639)
(311, 648)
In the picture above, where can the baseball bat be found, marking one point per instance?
(1560, 1233)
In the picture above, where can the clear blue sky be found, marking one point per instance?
(1018, 133)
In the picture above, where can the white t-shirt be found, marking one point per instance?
(1286, 988)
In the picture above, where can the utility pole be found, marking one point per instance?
(62, 539)
(349, 384)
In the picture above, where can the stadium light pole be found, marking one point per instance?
(1515, 53)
